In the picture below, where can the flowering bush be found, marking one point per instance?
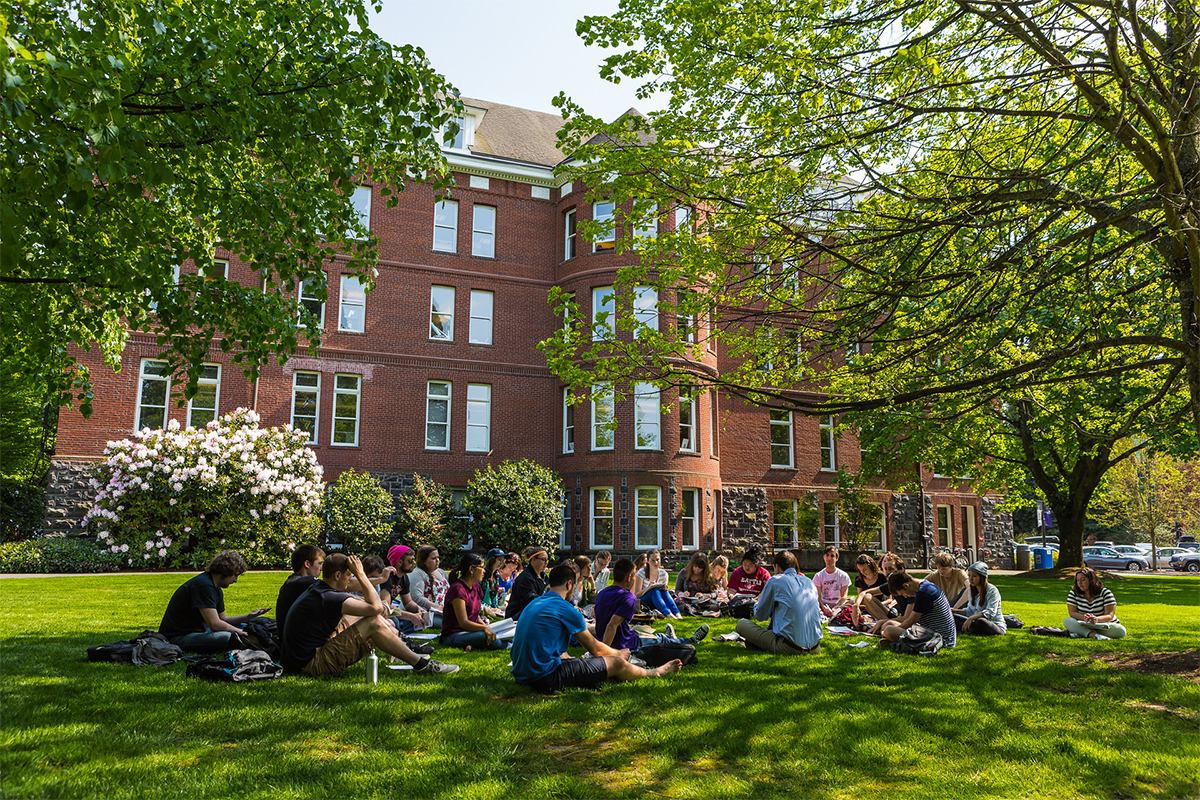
(173, 497)
(358, 512)
(427, 516)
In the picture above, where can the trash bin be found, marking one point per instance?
(1041, 558)
(1022, 556)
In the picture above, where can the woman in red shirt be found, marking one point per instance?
(749, 578)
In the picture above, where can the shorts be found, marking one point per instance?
(587, 672)
(344, 648)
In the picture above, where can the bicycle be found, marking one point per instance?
(960, 558)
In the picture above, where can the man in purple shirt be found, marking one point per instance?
(615, 606)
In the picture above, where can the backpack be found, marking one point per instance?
(151, 648)
(119, 652)
(236, 666)
(1013, 621)
(263, 634)
(919, 641)
(741, 607)
(655, 655)
(1046, 630)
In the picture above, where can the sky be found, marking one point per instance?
(517, 52)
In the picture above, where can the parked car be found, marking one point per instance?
(1036, 541)
(1108, 558)
(1186, 562)
(1129, 550)
(1165, 553)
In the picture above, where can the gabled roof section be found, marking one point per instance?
(517, 133)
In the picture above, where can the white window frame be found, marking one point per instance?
(431, 398)
(361, 199)
(593, 517)
(483, 238)
(153, 304)
(945, 533)
(793, 537)
(714, 422)
(645, 229)
(605, 218)
(882, 539)
(302, 298)
(479, 417)
(683, 219)
(645, 310)
(215, 382)
(483, 306)
(216, 262)
(568, 422)
(314, 390)
(692, 520)
(570, 239)
(603, 392)
(144, 376)
(339, 391)
(688, 420)
(564, 536)
(828, 444)
(446, 330)
(604, 300)
(836, 527)
(783, 423)
(687, 324)
(352, 295)
(647, 400)
(638, 518)
(441, 223)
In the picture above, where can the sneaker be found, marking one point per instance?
(699, 635)
(670, 630)
(432, 667)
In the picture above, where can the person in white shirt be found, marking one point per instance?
(833, 585)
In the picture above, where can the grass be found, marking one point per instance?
(1015, 716)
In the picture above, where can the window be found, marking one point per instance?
(781, 438)
(569, 310)
(218, 270)
(306, 402)
(645, 311)
(832, 524)
(602, 213)
(483, 232)
(604, 317)
(345, 409)
(881, 528)
(713, 424)
(569, 235)
(459, 140)
(683, 219)
(568, 422)
(943, 527)
(688, 528)
(479, 417)
(352, 315)
(784, 524)
(602, 517)
(480, 331)
(689, 441)
(153, 390)
(362, 208)
(311, 302)
(153, 304)
(603, 417)
(437, 415)
(649, 517)
(686, 322)
(564, 539)
(445, 226)
(828, 456)
(646, 424)
(645, 229)
(202, 409)
(441, 313)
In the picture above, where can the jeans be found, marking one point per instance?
(1113, 630)
(476, 640)
(661, 638)
(403, 626)
(660, 599)
(205, 641)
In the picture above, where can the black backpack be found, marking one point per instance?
(236, 666)
(120, 652)
(741, 607)
(655, 655)
(263, 634)
(919, 641)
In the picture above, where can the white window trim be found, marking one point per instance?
(570, 235)
(825, 427)
(343, 303)
(357, 392)
(774, 423)
(882, 540)
(837, 523)
(166, 407)
(794, 531)
(695, 518)
(948, 540)
(475, 333)
(437, 227)
(645, 392)
(363, 209)
(475, 423)
(429, 396)
(568, 421)
(689, 397)
(637, 518)
(449, 337)
(645, 310)
(564, 535)
(603, 390)
(609, 243)
(313, 437)
(223, 263)
(608, 329)
(478, 232)
(300, 302)
(592, 517)
(216, 398)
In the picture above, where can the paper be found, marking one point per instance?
(840, 630)
(858, 644)
(399, 666)
(504, 628)
(423, 636)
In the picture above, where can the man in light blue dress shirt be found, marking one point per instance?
(789, 601)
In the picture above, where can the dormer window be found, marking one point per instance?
(467, 124)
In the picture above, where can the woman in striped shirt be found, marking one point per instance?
(1092, 609)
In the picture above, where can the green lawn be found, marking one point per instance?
(1017, 716)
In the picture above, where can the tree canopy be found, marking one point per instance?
(140, 134)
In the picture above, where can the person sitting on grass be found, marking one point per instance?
(398, 588)
(696, 579)
(498, 568)
(720, 573)
(789, 601)
(462, 626)
(306, 566)
(585, 587)
(548, 626)
(873, 596)
(195, 617)
(833, 584)
(615, 606)
(328, 630)
(530, 584)
(1092, 609)
(652, 585)
(982, 616)
(950, 579)
(429, 584)
(749, 578)
(929, 607)
(600, 568)
(887, 565)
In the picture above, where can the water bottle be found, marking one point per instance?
(372, 667)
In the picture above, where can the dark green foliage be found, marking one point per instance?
(358, 512)
(58, 554)
(515, 505)
(22, 509)
(427, 516)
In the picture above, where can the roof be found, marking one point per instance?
(517, 133)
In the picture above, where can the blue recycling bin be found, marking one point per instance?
(1042, 559)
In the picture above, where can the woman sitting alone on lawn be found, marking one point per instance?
(584, 593)
(982, 615)
(951, 580)
(653, 582)
(1092, 608)
(873, 596)
(749, 578)
(428, 583)
(461, 625)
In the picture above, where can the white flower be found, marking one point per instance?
(162, 552)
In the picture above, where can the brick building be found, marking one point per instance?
(437, 372)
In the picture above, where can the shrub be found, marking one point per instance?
(172, 497)
(56, 555)
(427, 516)
(515, 505)
(358, 511)
(22, 510)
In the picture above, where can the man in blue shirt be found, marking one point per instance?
(789, 601)
(547, 627)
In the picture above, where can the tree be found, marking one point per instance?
(139, 134)
(1152, 494)
(357, 513)
(515, 505)
(427, 517)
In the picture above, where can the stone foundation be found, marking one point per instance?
(997, 534)
(908, 529)
(69, 495)
(746, 517)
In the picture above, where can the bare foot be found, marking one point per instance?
(669, 668)
(467, 649)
